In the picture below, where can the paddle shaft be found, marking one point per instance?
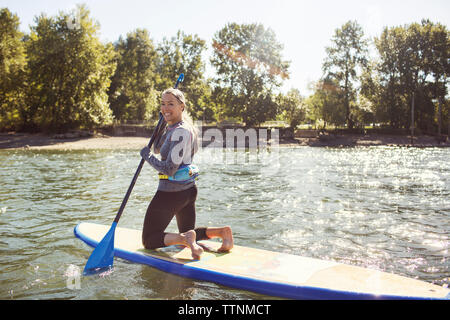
(138, 171)
(141, 164)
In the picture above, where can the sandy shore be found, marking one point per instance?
(55, 142)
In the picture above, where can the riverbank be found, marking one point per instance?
(83, 141)
(373, 139)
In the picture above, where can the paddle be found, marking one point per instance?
(103, 255)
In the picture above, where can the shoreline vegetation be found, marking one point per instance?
(84, 140)
(60, 76)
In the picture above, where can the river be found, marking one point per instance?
(386, 208)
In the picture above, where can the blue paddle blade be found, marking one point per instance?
(102, 257)
(180, 79)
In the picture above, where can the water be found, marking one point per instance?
(386, 208)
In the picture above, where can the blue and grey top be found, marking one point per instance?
(176, 146)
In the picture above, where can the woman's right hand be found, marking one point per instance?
(145, 153)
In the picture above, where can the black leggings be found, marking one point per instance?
(160, 212)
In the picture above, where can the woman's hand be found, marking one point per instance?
(145, 153)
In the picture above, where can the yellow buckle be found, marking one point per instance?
(163, 176)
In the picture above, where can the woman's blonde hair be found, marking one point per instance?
(186, 117)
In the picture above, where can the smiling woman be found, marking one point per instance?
(176, 197)
(174, 110)
(172, 105)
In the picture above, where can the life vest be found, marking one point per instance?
(186, 173)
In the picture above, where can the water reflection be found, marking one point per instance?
(381, 207)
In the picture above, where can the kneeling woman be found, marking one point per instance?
(177, 191)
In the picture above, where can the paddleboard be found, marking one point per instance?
(262, 271)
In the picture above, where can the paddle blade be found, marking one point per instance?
(103, 255)
(180, 79)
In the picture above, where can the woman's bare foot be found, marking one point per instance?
(186, 239)
(227, 240)
(225, 234)
(190, 237)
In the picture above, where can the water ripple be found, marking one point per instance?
(379, 207)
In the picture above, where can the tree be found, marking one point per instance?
(325, 103)
(413, 64)
(183, 54)
(291, 107)
(12, 71)
(180, 54)
(381, 79)
(435, 45)
(249, 67)
(346, 56)
(69, 73)
(132, 95)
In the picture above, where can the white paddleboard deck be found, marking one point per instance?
(267, 272)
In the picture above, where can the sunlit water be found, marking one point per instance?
(385, 208)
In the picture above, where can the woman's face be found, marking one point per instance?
(171, 108)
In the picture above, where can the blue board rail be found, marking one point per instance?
(283, 290)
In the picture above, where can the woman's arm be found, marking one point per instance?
(180, 151)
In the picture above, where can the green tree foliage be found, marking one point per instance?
(69, 71)
(413, 64)
(291, 107)
(60, 76)
(12, 70)
(183, 54)
(132, 95)
(346, 56)
(249, 67)
(326, 103)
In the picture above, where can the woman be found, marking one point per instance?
(177, 191)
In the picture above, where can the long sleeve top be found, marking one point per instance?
(176, 147)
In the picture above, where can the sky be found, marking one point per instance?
(304, 28)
